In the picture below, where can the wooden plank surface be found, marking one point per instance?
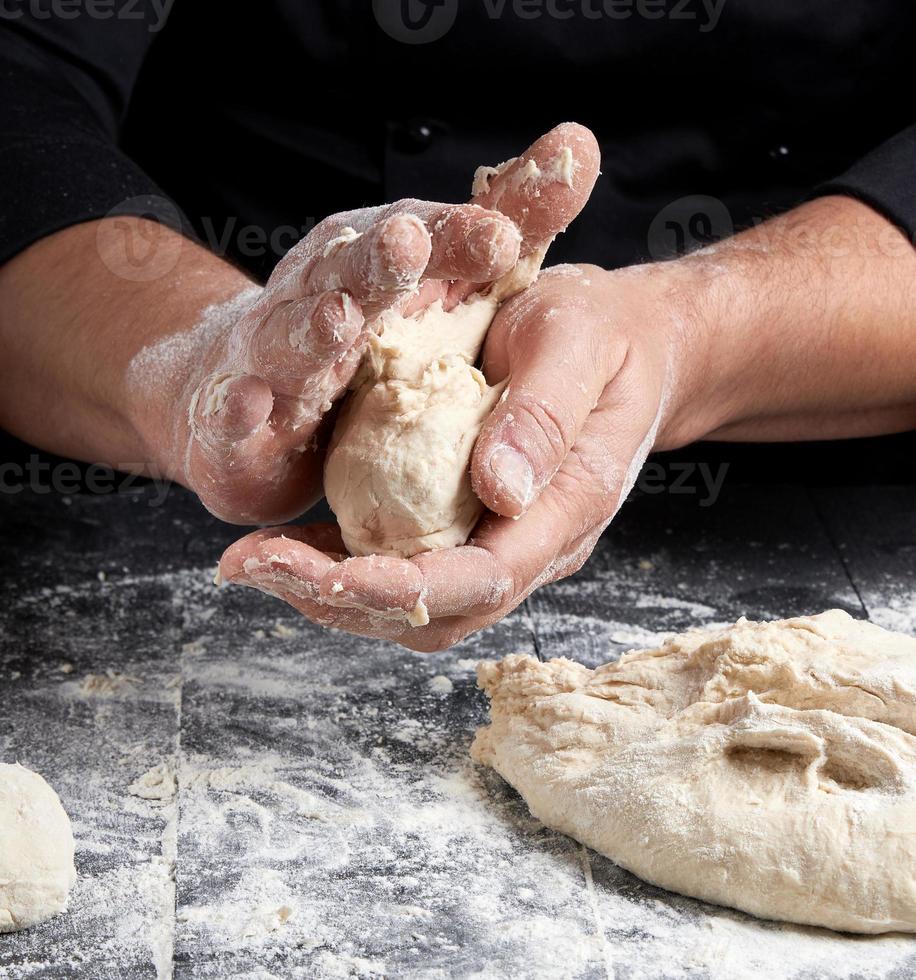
(327, 819)
(874, 530)
(669, 563)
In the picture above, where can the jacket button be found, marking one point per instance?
(416, 135)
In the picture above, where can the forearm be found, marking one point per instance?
(808, 329)
(74, 314)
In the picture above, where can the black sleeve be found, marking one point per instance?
(66, 84)
(885, 179)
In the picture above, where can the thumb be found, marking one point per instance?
(552, 390)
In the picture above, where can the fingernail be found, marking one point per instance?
(514, 473)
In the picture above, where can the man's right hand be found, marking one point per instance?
(266, 368)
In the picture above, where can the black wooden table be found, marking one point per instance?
(254, 797)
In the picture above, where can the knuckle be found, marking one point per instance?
(511, 585)
(549, 426)
(404, 206)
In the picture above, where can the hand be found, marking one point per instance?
(593, 360)
(799, 328)
(264, 369)
(266, 375)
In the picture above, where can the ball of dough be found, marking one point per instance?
(770, 767)
(36, 850)
(396, 474)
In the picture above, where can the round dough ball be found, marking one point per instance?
(36, 850)
(396, 474)
(770, 767)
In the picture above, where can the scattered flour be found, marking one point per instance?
(440, 684)
(105, 685)
(332, 827)
(158, 783)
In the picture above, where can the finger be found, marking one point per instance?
(555, 536)
(391, 623)
(290, 563)
(353, 621)
(558, 374)
(302, 564)
(376, 267)
(229, 411)
(546, 187)
(300, 338)
(471, 244)
(389, 588)
(468, 242)
(465, 581)
(290, 560)
(429, 586)
(293, 565)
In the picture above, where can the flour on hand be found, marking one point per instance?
(36, 850)
(770, 767)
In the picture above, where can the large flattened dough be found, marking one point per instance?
(770, 767)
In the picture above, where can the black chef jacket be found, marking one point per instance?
(251, 121)
(245, 123)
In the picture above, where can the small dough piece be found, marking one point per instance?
(36, 850)
(397, 474)
(770, 767)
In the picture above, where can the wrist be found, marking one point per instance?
(165, 372)
(673, 313)
(798, 328)
(712, 317)
(169, 330)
